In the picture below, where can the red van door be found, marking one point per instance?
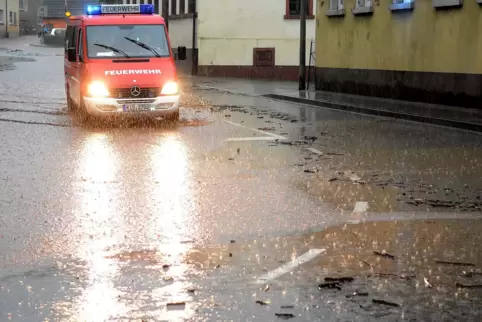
(72, 64)
(76, 67)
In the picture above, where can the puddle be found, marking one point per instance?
(432, 269)
(396, 179)
(141, 255)
(194, 123)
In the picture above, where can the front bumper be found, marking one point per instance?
(151, 107)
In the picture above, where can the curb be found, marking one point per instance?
(46, 46)
(370, 111)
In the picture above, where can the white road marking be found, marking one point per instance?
(315, 151)
(360, 207)
(254, 138)
(279, 137)
(353, 222)
(306, 257)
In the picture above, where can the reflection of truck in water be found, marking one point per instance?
(54, 21)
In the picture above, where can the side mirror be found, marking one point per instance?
(71, 55)
(181, 53)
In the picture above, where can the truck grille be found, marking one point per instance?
(126, 93)
(139, 101)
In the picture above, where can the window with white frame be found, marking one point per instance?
(402, 5)
(191, 6)
(2, 15)
(336, 5)
(337, 8)
(23, 5)
(363, 7)
(448, 3)
(173, 9)
(364, 3)
(182, 7)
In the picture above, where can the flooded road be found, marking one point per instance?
(237, 212)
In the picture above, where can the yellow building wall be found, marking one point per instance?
(14, 29)
(423, 40)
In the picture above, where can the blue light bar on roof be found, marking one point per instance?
(113, 9)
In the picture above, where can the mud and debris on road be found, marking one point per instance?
(279, 211)
(8, 60)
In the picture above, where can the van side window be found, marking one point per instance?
(75, 35)
(80, 47)
(69, 37)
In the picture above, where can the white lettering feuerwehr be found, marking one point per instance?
(121, 8)
(133, 72)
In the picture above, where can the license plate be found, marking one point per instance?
(137, 107)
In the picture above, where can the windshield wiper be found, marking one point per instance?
(143, 45)
(123, 53)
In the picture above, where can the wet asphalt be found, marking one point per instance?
(202, 220)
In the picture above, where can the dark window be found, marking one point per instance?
(69, 37)
(263, 56)
(157, 5)
(191, 6)
(295, 7)
(117, 41)
(134, 1)
(128, 2)
(75, 37)
(182, 7)
(80, 49)
(149, 1)
(173, 7)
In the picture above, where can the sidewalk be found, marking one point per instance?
(18, 42)
(452, 116)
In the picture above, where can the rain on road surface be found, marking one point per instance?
(243, 210)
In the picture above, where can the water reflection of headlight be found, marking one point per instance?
(163, 210)
(174, 212)
(171, 191)
(100, 227)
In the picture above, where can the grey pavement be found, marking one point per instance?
(452, 116)
(179, 222)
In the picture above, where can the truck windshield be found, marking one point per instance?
(127, 41)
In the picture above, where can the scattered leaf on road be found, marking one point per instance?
(461, 285)
(427, 283)
(454, 263)
(344, 279)
(383, 302)
(284, 315)
(384, 254)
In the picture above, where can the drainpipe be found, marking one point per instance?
(7, 16)
(194, 52)
(302, 72)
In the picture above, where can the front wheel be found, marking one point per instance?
(70, 102)
(174, 117)
(81, 112)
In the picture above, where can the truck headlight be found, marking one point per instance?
(98, 89)
(170, 88)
